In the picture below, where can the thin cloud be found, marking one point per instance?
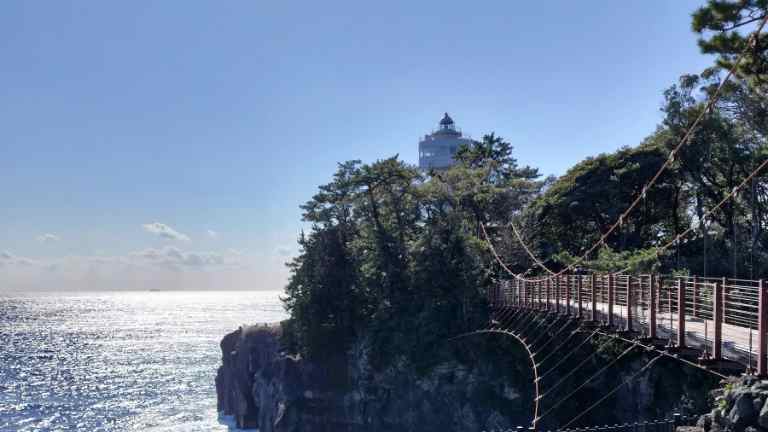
(48, 238)
(165, 231)
(212, 234)
(284, 251)
(174, 258)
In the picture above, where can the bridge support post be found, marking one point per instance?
(652, 307)
(557, 294)
(568, 294)
(611, 297)
(695, 300)
(717, 312)
(523, 293)
(593, 290)
(762, 327)
(547, 288)
(579, 280)
(680, 313)
(628, 327)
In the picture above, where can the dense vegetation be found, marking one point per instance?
(398, 255)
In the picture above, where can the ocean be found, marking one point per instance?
(119, 361)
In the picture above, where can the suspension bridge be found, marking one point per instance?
(718, 325)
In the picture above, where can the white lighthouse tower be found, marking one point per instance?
(437, 149)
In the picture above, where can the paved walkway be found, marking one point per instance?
(736, 339)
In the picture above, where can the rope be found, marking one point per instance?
(554, 336)
(518, 276)
(666, 354)
(603, 369)
(535, 419)
(527, 315)
(576, 368)
(686, 137)
(505, 315)
(615, 389)
(567, 356)
(546, 329)
(524, 330)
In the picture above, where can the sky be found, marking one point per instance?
(168, 145)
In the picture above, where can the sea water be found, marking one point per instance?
(119, 361)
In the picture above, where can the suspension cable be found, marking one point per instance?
(546, 329)
(603, 369)
(576, 368)
(535, 368)
(554, 336)
(614, 390)
(666, 354)
(667, 163)
(567, 356)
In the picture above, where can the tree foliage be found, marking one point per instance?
(398, 256)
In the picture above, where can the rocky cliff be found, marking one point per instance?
(740, 405)
(475, 388)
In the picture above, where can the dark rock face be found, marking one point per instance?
(741, 405)
(274, 392)
(243, 352)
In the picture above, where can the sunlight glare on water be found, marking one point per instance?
(119, 361)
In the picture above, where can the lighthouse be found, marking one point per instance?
(436, 150)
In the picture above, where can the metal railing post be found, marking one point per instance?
(557, 294)
(652, 307)
(579, 280)
(611, 296)
(717, 312)
(522, 293)
(547, 288)
(594, 297)
(762, 326)
(695, 297)
(568, 294)
(540, 302)
(680, 313)
(629, 304)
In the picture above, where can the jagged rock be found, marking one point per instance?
(757, 403)
(716, 414)
(743, 412)
(705, 422)
(274, 392)
(762, 418)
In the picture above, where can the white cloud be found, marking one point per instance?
(212, 234)
(174, 258)
(48, 238)
(7, 259)
(165, 231)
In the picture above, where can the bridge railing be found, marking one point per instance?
(691, 312)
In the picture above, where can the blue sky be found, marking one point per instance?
(121, 121)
